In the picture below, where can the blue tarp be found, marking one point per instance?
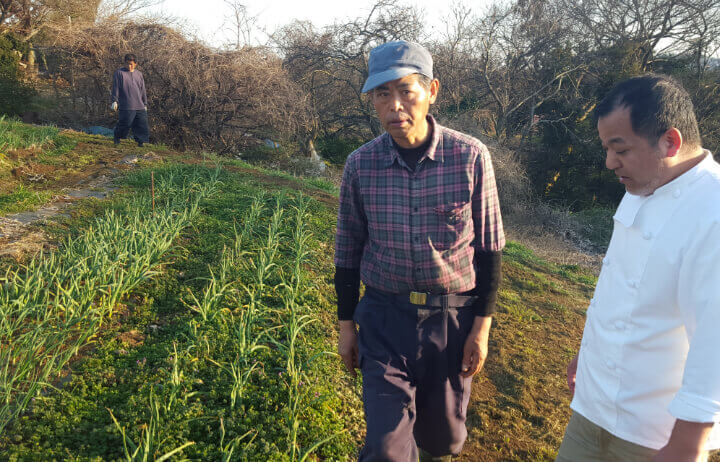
(97, 130)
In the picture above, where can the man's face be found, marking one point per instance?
(639, 164)
(402, 106)
(131, 65)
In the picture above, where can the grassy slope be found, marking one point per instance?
(519, 405)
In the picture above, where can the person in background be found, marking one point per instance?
(419, 222)
(130, 99)
(646, 381)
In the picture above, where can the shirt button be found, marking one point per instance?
(632, 283)
(610, 364)
(647, 235)
(416, 209)
(676, 193)
(418, 269)
(619, 325)
(417, 238)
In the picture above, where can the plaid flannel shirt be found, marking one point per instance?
(418, 231)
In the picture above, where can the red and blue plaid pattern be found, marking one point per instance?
(418, 231)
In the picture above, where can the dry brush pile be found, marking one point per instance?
(198, 97)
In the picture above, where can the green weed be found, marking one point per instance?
(22, 199)
(17, 135)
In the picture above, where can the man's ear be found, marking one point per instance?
(434, 89)
(670, 142)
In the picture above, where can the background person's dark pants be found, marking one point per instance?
(413, 393)
(135, 120)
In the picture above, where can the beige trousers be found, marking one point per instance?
(586, 442)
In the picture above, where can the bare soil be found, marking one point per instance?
(21, 234)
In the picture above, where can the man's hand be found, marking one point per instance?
(348, 346)
(686, 444)
(571, 372)
(476, 346)
(114, 106)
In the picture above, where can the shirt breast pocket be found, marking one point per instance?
(451, 224)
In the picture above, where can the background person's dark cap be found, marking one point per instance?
(395, 60)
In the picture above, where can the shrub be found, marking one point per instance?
(335, 149)
(15, 95)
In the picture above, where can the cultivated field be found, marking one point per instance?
(202, 327)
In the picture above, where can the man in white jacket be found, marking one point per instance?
(646, 381)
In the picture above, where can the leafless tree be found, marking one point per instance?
(27, 18)
(650, 28)
(240, 24)
(116, 10)
(331, 64)
(524, 62)
(456, 66)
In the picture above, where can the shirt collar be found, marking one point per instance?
(686, 179)
(631, 204)
(434, 151)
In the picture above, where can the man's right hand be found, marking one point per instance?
(571, 372)
(348, 346)
(114, 106)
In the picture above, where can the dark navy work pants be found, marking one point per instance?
(413, 394)
(135, 120)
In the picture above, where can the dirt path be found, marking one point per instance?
(22, 234)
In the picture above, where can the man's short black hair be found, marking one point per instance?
(130, 57)
(657, 103)
(424, 81)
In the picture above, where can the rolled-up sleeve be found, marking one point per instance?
(699, 299)
(351, 222)
(489, 234)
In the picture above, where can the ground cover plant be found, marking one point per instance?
(234, 364)
(52, 306)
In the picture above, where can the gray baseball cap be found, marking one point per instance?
(395, 60)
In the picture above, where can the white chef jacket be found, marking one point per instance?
(650, 350)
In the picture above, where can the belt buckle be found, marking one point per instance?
(418, 298)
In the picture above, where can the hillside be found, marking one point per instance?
(203, 326)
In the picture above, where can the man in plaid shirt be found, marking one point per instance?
(419, 222)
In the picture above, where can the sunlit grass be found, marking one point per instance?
(17, 135)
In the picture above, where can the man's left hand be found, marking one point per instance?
(686, 444)
(476, 346)
(671, 453)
